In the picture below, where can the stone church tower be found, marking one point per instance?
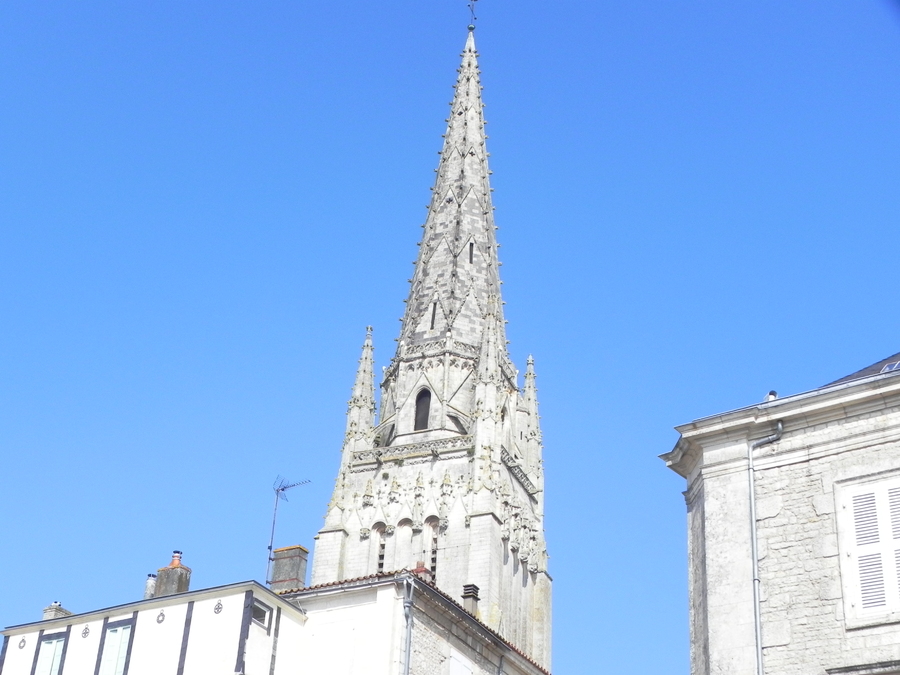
(449, 478)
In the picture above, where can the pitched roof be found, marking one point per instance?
(874, 369)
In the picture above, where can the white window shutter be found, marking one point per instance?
(50, 657)
(125, 632)
(865, 519)
(894, 505)
(871, 581)
(871, 570)
(115, 649)
(871, 543)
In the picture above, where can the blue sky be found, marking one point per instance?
(202, 205)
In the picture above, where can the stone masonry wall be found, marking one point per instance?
(697, 581)
(441, 647)
(802, 606)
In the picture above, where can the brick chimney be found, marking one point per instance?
(288, 568)
(423, 572)
(176, 578)
(470, 599)
(55, 611)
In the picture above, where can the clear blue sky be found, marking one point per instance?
(203, 204)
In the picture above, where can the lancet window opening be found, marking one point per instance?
(432, 525)
(377, 547)
(423, 409)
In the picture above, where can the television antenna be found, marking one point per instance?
(280, 486)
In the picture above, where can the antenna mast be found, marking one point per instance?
(280, 486)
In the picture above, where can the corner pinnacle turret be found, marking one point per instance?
(361, 406)
(457, 278)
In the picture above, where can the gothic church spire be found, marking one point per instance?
(451, 476)
(457, 278)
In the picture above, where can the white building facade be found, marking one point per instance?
(386, 625)
(794, 531)
(243, 628)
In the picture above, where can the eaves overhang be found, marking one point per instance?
(429, 590)
(815, 406)
(167, 600)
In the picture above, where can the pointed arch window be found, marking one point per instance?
(423, 406)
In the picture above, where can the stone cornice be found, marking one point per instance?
(450, 347)
(800, 411)
(434, 448)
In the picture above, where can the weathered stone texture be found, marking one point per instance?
(441, 647)
(832, 437)
(456, 483)
(800, 573)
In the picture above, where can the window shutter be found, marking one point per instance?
(894, 504)
(871, 581)
(50, 657)
(872, 529)
(894, 501)
(865, 519)
(115, 650)
(122, 654)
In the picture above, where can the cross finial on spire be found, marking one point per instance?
(472, 12)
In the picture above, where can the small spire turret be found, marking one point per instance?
(534, 440)
(530, 393)
(361, 407)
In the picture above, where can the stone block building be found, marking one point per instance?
(794, 531)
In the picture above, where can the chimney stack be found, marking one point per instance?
(55, 611)
(150, 587)
(176, 578)
(423, 572)
(470, 599)
(288, 568)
